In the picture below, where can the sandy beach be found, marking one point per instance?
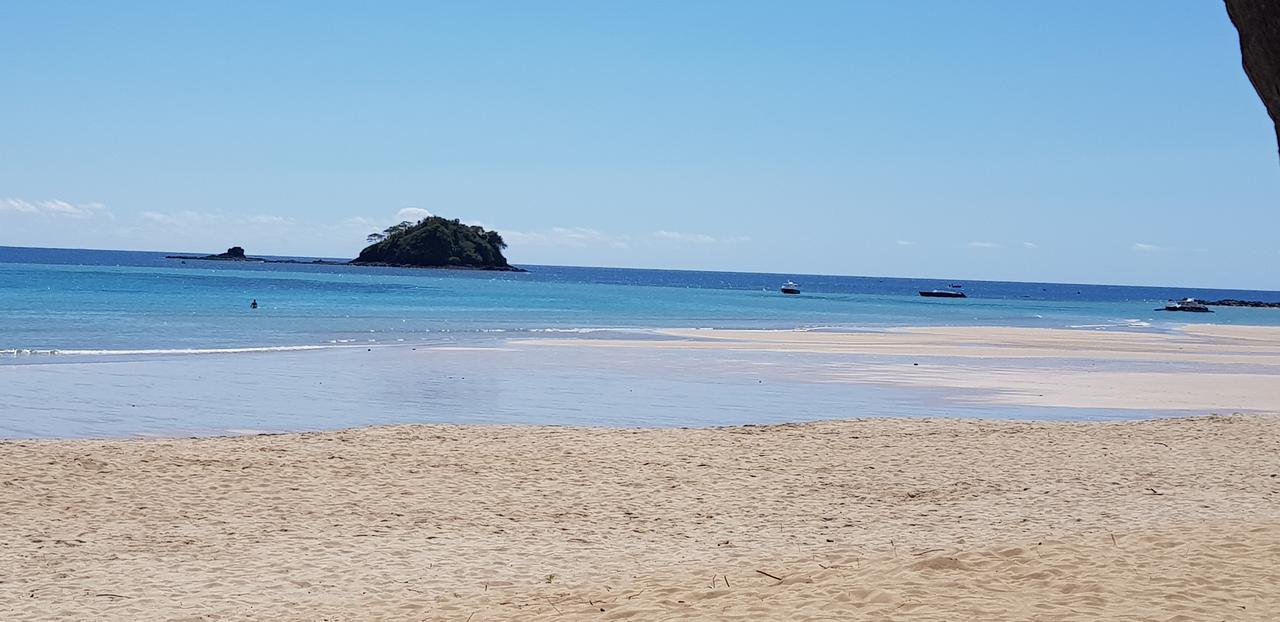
(896, 519)
(1174, 519)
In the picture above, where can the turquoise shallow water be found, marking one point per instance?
(106, 343)
(73, 300)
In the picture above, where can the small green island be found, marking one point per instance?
(436, 242)
(433, 242)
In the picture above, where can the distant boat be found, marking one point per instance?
(790, 288)
(1187, 304)
(942, 293)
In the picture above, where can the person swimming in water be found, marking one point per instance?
(254, 304)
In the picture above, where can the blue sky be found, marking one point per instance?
(1084, 141)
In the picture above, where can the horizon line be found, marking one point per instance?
(636, 268)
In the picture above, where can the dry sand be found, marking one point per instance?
(880, 520)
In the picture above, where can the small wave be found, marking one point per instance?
(581, 331)
(839, 328)
(139, 352)
(1125, 323)
(28, 352)
(248, 431)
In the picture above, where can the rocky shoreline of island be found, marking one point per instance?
(432, 242)
(242, 258)
(1232, 302)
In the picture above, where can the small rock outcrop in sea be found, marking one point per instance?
(1258, 22)
(1232, 302)
(235, 253)
(436, 242)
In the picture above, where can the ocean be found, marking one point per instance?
(119, 343)
(109, 302)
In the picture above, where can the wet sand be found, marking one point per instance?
(1196, 369)
(1174, 519)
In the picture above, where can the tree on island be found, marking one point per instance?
(435, 242)
(388, 232)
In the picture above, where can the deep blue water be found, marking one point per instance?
(88, 300)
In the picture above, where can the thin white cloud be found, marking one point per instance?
(412, 214)
(54, 208)
(18, 206)
(697, 238)
(266, 219)
(1145, 248)
(190, 219)
(574, 237)
(184, 219)
(1030, 245)
(585, 237)
(158, 218)
(984, 245)
(906, 243)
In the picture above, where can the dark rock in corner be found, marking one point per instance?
(1258, 22)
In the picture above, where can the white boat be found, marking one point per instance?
(1187, 304)
(790, 288)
